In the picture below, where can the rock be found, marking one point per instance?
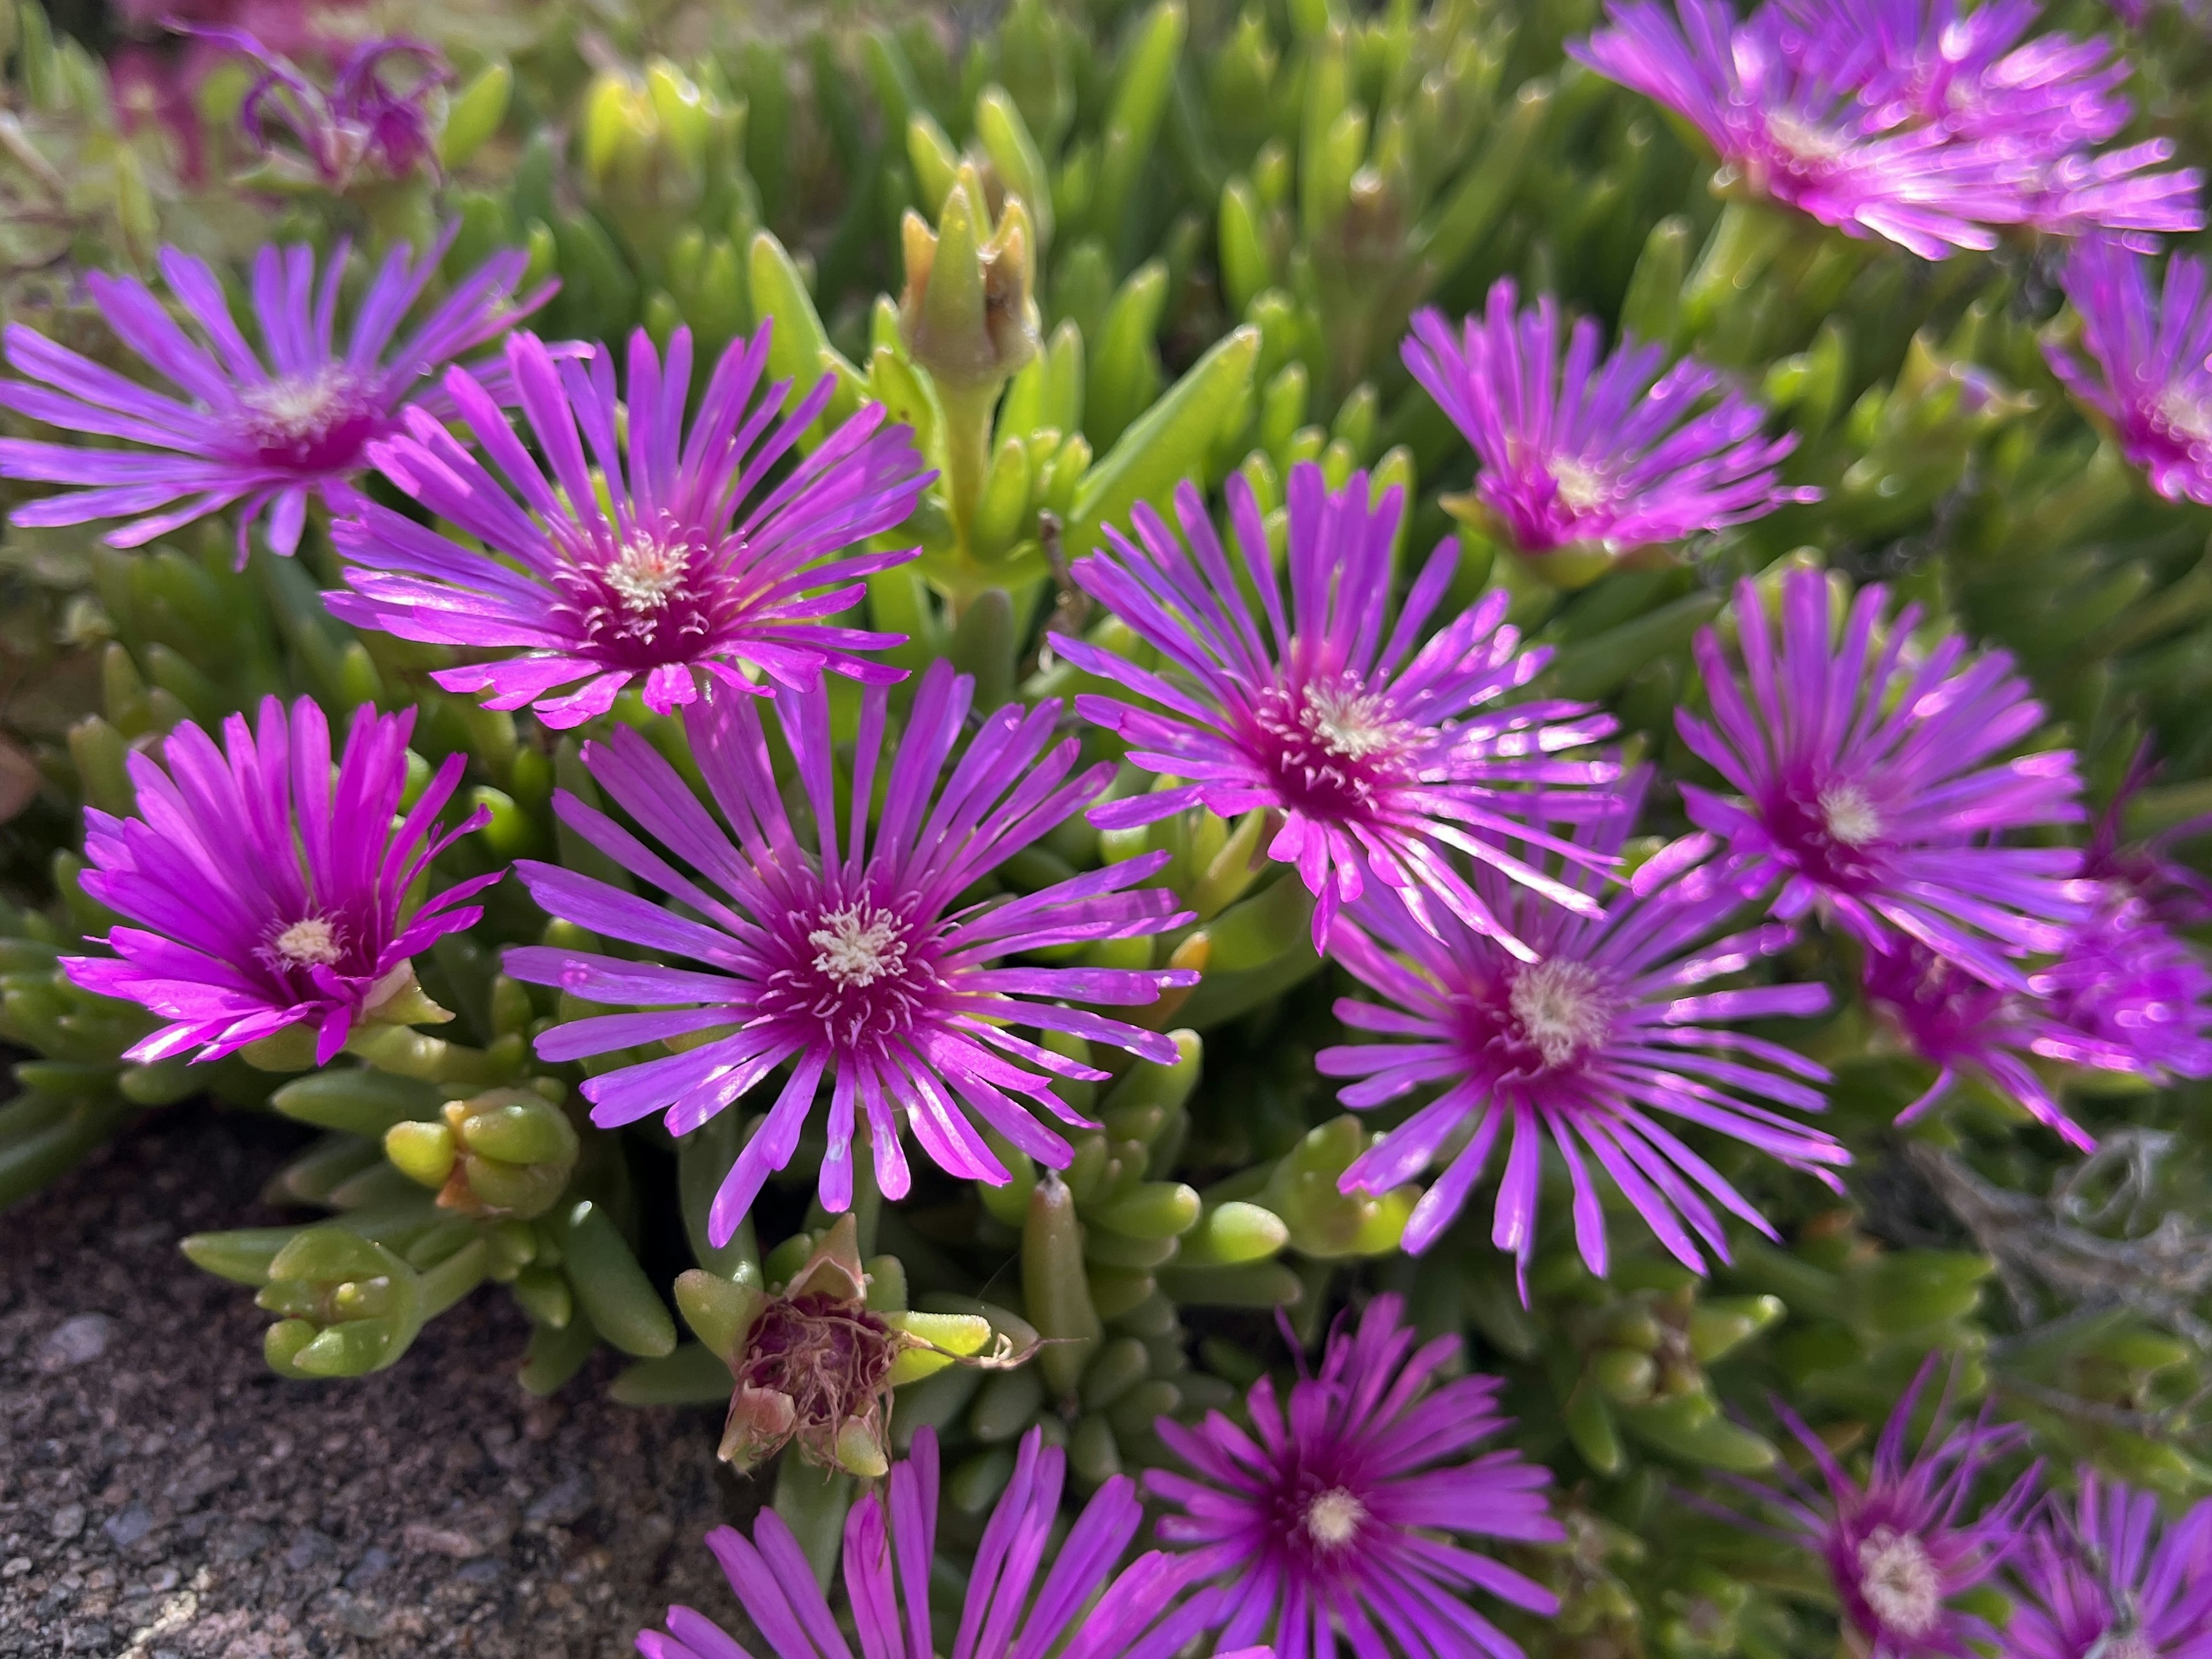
(561, 1504)
(67, 1521)
(242, 1543)
(306, 1548)
(128, 1525)
(77, 1341)
(373, 1564)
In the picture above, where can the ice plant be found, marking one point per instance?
(1590, 1049)
(1377, 750)
(1016, 1606)
(671, 552)
(259, 892)
(2108, 1581)
(1903, 1545)
(844, 955)
(2143, 366)
(1576, 452)
(1967, 1028)
(375, 122)
(2126, 983)
(263, 430)
(1868, 787)
(1322, 1523)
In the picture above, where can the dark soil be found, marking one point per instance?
(163, 1496)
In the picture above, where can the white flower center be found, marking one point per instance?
(2185, 416)
(859, 945)
(302, 407)
(1850, 816)
(1899, 1581)
(647, 572)
(2125, 1645)
(1804, 141)
(1581, 488)
(1350, 725)
(1563, 1008)
(1332, 1519)
(313, 940)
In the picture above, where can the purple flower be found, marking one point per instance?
(1617, 453)
(2104, 1583)
(1144, 1611)
(267, 894)
(848, 956)
(2143, 367)
(1373, 753)
(1581, 1048)
(1326, 1522)
(1967, 1028)
(1900, 1546)
(1865, 785)
(267, 430)
(702, 555)
(366, 126)
(2131, 986)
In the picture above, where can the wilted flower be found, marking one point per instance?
(1321, 1524)
(269, 893)
(266, 430)
(1865, 785)
(663, 553)
(2143, 367)
(367, 125)
(1381, 758)
(848, 958)
(1586, 1048)
(2103, 1583)
(1618, 455)
(1903, 1545)
(1144, 1611)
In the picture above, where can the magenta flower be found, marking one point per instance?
(1587, 1048)
(269, 895)
(1967, 1028)
(267, 430)
(2131, 986)
(1323, 1523)
(1904, 1543)
(369, 125)
(2105, 1584)
(2143, 366)
(1379, 757)
(1144, 1611)
(1614, 454)
(1867, 785)
(847, 958)
(704, 554)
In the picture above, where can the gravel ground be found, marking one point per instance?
(163, 1496)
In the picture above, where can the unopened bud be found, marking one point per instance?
(968, 314)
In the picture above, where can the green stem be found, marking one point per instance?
(454, 1278)
(967, 416)
(406, 1052)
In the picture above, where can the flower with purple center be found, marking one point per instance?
(1904, 1543)
(266, 893)
(1617, 455)
(268, 429)
(1867, 783)
(668, 551)
(2129, 984)
(847, 958)
(1329, 1520)
(2143, 365)
(894, 1583)
(1380, 759)
(2107, 1583)
(1967, 1028)
(1587, 1048)
(374, 123)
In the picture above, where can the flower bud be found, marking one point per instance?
(968, 314)
(508, 1152)
(345, 1305)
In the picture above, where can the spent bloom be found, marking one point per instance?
(1017, 1604)
(847, 958)
(265, 428)
(1615, 455)
(665, 552)
(259, 891)
(1324, 1523)
(1589, 1048)
(2109, 1583)
(1905, 1543)
(1967, 1028)
(2143, 366)
(375, 122)
(1381, 758)
(1867, 783)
